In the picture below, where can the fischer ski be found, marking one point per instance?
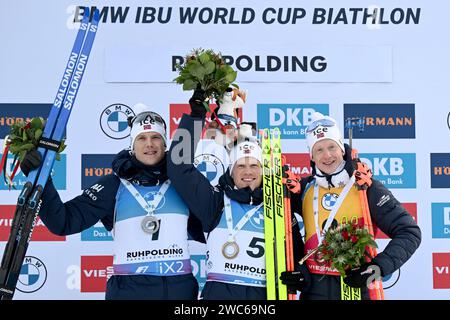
(277, 224)
(29, 201)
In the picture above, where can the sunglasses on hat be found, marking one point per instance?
(149, 116)
(320, 123)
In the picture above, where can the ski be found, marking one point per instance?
(269, 222)
(277, 224)
(29, 201)
(280, 231)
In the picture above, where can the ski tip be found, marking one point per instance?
(276, 132)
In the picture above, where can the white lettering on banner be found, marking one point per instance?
(278, 116)
(101, 234)
(446, 230)
(176, 120)
(447, 216)
(442, 270)
(8, 223)
(73, 281)
(102, 273)
(379, 166)
(301, 170)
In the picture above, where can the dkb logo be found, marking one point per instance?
(291, 119)
(394, 170)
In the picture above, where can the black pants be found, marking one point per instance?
(326, 288)
(214, 290)
(142, 287)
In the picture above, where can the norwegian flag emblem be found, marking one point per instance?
(320, 135)
(147, 126)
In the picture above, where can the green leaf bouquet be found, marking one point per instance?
(206, 70)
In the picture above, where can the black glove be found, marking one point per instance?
(31, 161)
(198, 110)
(294, 280)
(359, 277)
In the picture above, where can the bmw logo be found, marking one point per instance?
(113, 121)
(33, 275)
(210, 166)
(328, 200)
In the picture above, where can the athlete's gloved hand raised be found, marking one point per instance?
(198, 110)
(31, 161)
(291, 180)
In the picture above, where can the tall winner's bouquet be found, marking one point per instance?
(206, 70)
(345, 247)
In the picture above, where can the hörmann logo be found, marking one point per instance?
(441, 220)
(40, 232)
(291, 119)
(113, 120)
(95, 272)
(440, 170)
(394, 170)
(93, 167)
(383, 121)
(299, 163)
(11, 113)
(441, 270)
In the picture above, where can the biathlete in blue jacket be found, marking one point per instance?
(148, 218)
(231, 213)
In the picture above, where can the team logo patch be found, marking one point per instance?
(113, 121)
(328, 200)
(150, 197)
(210, 166)
(33, 275)
(258, 219)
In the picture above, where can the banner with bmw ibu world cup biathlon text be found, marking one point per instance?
(380, 60)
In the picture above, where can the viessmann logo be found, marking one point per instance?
(441, 270)
(291, 119)
(176, 111)
(95, 272)
(383, 121)
(40, 232)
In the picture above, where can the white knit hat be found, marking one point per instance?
(321, 128)
(245, 149)
(146, 121)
